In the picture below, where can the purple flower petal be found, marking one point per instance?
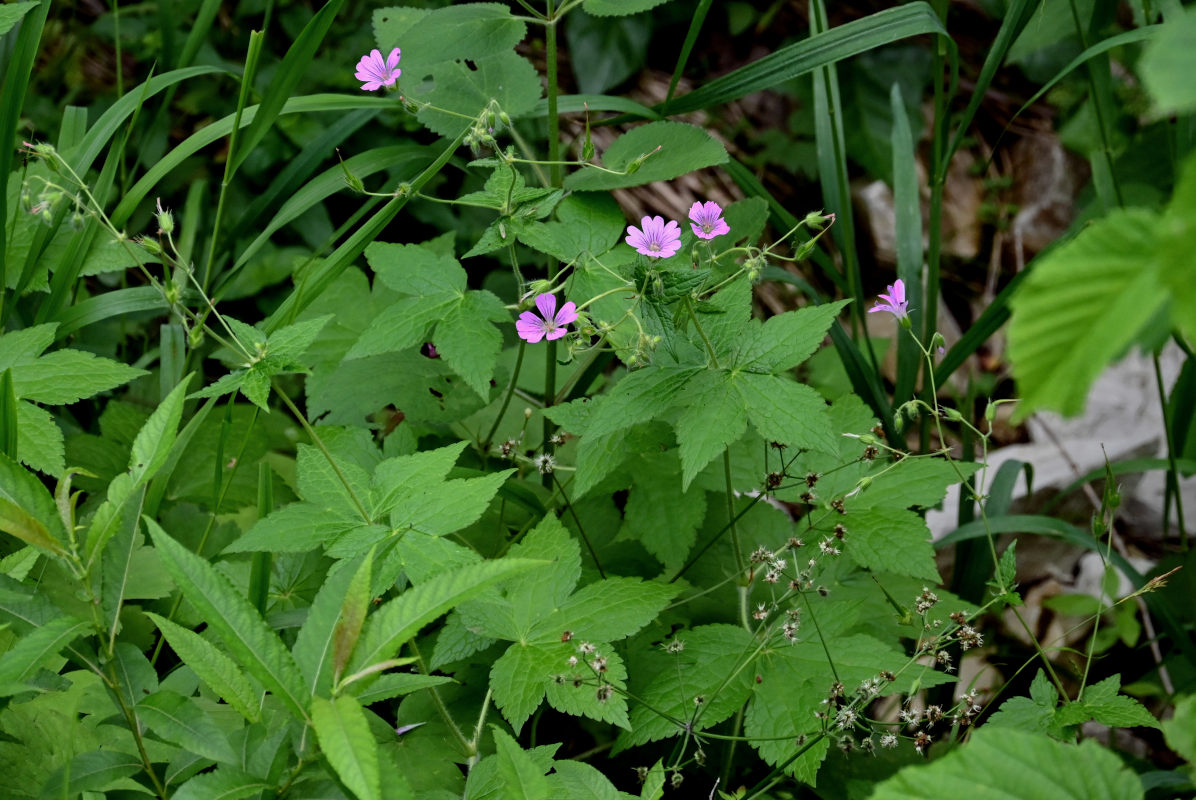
(547, 305)
(567, 314)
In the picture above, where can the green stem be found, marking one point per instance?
(555, 178)
(506, 401)
(467, 747)
(735, 544)
(1172, 469)
(318, 442)
(580, 529)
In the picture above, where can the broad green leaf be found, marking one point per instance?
(913, 482)
(396, 479)
(786, 412)
(522, 778)
(713, 419)
(606, 610)
(223, 783)
(519, 677)
(584, 700)
(66, 376)
(1165, 60)
(1101, 702)
(673, 149)
(707, 677)
(577, 780)
(212, 666)
(292, 341)
(1081, 307)
(788, 339)
(1011, 765)
(297, 528)
(93, 771)
(1180, 730)
(662, 515)
(890, 540)
(39, 439)
(398, 620)
(585, 224)
(1178, 235)
(468, 340)
(395, 684)
(449, 506)
(180, 720)
(639, 397)
(27, 510)
(606, 52)
(34, 650)
(156, 437)
(466, 30)
(229, 614)
(468, 89)
(610, 8)
(10, 15)
(345, 738)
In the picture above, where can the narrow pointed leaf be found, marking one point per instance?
(344, 736)
(250, 641)
(212, 666)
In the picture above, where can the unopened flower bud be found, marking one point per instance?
(165, 219)
(815, 220)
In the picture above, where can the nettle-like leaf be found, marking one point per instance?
(344, 735)
(437, 307)
(1041, 712)
(611, 8)
(60, 377)
(264, 358)
(793, 686)
(546, 620)
(458, 59)
(1012, 765)
(517, 205)
(713, 400)
(883, 534)
(405, 495)
(585, 224)
(672, 149)
(702, 685)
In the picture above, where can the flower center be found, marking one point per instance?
(654, 247)
(707, 227)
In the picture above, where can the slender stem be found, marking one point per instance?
(689, 306)
(580, 529)
(323, 449)
(477, 730)
(135, 729)
(735, 544)
(555, 178)
(466, 746)
(1172, 469)
(506, 401)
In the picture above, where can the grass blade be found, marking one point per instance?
(286, 78)
(845, 41)
(908, 205)
(12, 98)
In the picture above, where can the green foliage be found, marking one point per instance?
(1012, 764)
(414, 555)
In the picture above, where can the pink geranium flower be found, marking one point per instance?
(550, 324)
(656, 240)
(894, 302)
(377, 72)
(708, 220)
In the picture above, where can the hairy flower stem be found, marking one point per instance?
(134, 728)
(555, 179)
